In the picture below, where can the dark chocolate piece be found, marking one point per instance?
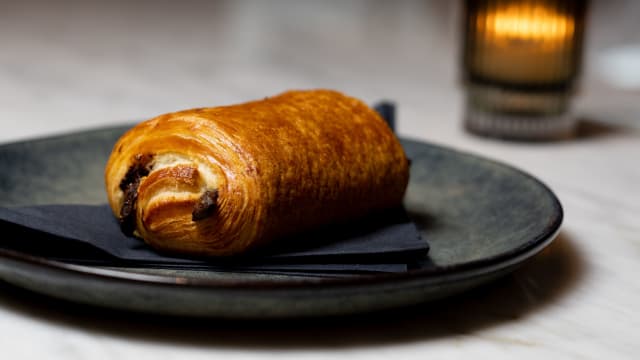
(129, 186)
(205, 206)
(139, 168)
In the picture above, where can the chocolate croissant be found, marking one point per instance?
(223, 180)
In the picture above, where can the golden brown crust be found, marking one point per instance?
(226, 179)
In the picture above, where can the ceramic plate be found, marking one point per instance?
(482, 219)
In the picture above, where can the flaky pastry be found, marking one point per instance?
(219, 181)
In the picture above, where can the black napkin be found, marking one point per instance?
(89, 234)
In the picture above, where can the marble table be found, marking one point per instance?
(72, 65)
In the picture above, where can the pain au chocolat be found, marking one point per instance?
(219, 181)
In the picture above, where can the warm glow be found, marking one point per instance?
(526, 22)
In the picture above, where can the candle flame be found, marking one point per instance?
(527, 22)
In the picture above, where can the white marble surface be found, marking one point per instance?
(73, 65)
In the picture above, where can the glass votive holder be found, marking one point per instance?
(521, 60)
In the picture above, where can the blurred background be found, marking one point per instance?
(66, 65)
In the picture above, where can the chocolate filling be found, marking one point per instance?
(129, 186)
(205, 206)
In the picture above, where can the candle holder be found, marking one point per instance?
(520, 65)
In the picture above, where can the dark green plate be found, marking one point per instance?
(482, 220)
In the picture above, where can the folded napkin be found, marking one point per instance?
(89, 234)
